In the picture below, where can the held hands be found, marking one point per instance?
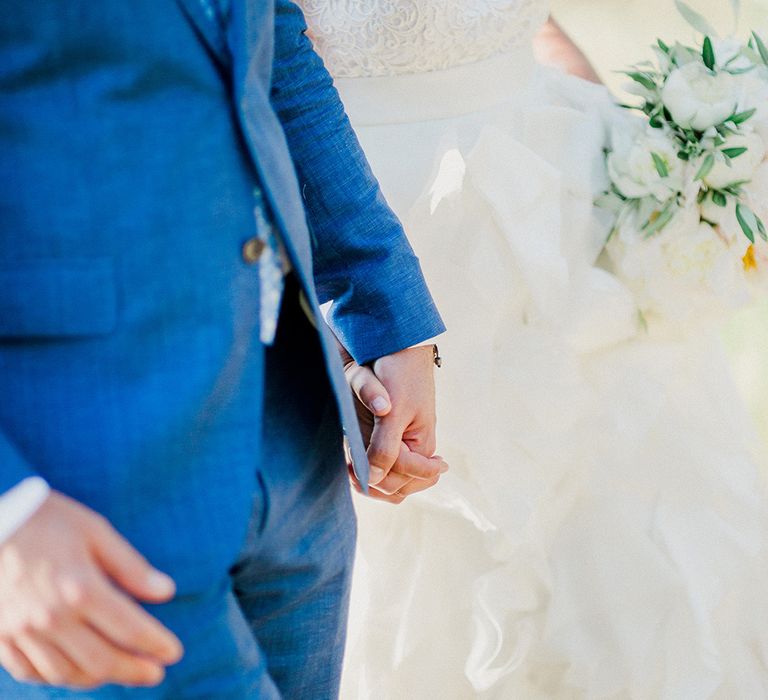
(66, 613)
(396, 409)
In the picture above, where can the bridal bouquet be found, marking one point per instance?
(689, 178)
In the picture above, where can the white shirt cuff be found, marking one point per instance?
(20, 503)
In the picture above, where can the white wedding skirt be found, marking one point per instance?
(602, 531)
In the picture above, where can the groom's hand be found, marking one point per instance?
(67, 617)
(396, 409)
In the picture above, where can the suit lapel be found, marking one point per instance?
(202, 16)
(251, 39)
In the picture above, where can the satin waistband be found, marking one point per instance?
(442, 94)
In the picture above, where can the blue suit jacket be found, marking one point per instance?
(131, 138)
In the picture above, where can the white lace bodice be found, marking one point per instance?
(365, 38)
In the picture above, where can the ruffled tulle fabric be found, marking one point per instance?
(602, 531)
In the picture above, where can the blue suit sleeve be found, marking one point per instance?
(363, 261)
(13, 467)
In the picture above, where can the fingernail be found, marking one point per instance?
(379, 404)
(443, 468)
(161, 584)
(375, 475)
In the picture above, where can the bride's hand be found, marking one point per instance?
(398, 422)
(412, 473)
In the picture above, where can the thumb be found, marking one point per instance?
(384, 448)
(368, 389)
(129, 569)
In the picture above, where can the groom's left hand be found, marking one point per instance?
(396, 408)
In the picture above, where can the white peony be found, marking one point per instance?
(631, 165)
(686, 273)
(729, 53)
(694, 257)
(753, 94)
(698, 99)
(742, 168)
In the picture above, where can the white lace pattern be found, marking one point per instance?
(365, 38)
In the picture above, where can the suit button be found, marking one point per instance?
(252, 250)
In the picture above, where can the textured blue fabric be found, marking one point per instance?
(119, 149)
(46, 297)
(295, 595)
(132, 136)
(363, 262)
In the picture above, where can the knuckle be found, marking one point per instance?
(356, 374)
(421, 470)
(74, 591)
(23, 627)
(362, 382)
(381, 456)
(417, 440)
(45, 619)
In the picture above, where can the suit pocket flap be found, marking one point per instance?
(54, 298)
